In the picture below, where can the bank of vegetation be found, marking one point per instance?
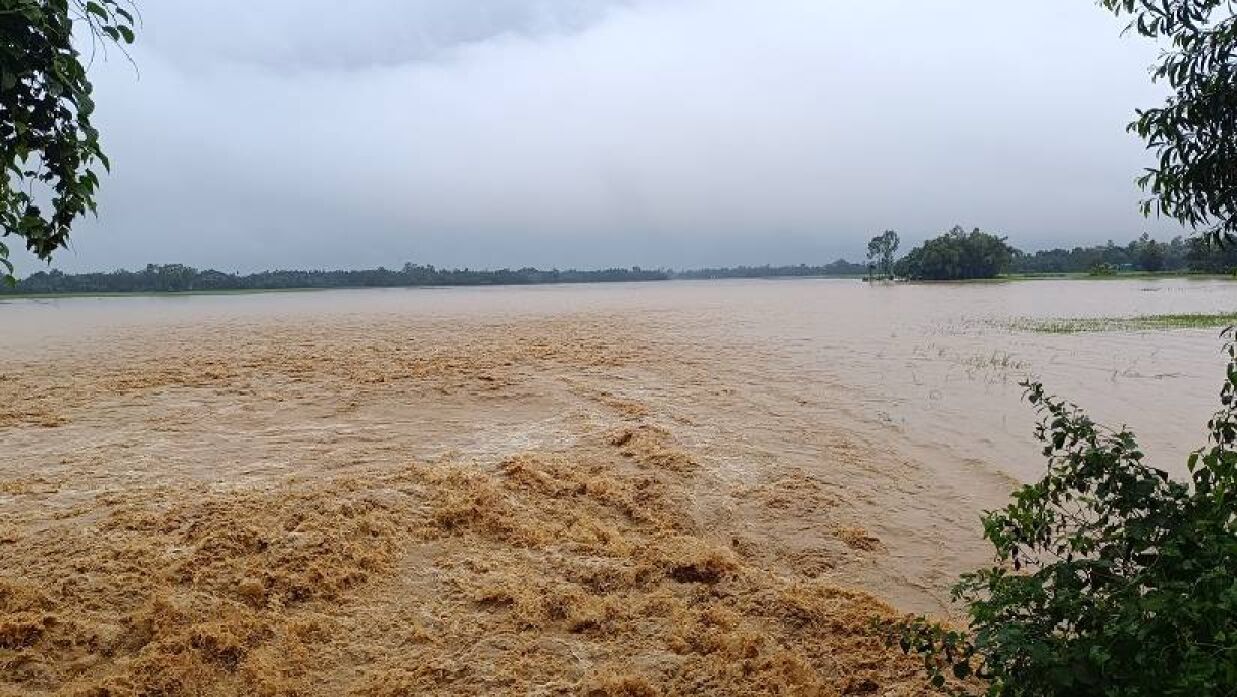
(165, 278)
(961, 255)
(1179, 254)
(955, 255)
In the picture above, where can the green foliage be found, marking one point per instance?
(1102, 269)
(48, 146)
(161, 278)
(1173, 255)
(1150, 254)
(881, 250)
(838, 267)
(1194, 133)
(1111, 578)
(957, 255)
(1177, 254)
(1212, 258)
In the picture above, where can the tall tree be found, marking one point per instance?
(881, 250)
(48, 145)
(1150, 254)
(1194, 134)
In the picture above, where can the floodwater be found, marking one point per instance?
(937, 365)
(662, 488)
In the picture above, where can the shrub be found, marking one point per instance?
(1110, 578)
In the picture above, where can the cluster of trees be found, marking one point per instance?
(957, 255)
(1142, 254)
(1212, 258)
(880, 253)
(158, 278)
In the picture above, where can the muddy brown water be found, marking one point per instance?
(931, 365)
(818, 431)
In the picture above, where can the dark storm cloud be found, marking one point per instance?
(293, 133)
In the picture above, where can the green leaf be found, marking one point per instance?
(97, 9)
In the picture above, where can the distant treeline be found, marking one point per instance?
(1142, 254)
(841, 267)
(160, 278)
(954, 255)
(959, 255)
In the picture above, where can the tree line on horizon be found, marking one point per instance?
(158, 278)
(954, 255)
(961, 255)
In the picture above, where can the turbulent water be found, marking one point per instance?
(656, 488)
(938, 365)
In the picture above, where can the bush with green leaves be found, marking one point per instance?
(1102, 269)
(1111, 577)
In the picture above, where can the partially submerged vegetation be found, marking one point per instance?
(1110, 576)
(1078, 325)
(957, 255)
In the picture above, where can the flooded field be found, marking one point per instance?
(608, 489)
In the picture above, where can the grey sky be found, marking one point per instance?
(294, 133)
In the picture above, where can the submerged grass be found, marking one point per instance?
(1078, 325)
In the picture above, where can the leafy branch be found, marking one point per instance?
(48, 144)
(1194, 134)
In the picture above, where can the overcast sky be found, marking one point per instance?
(488, 133)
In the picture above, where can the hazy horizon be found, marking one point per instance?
(608, 133)
(856, 258)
